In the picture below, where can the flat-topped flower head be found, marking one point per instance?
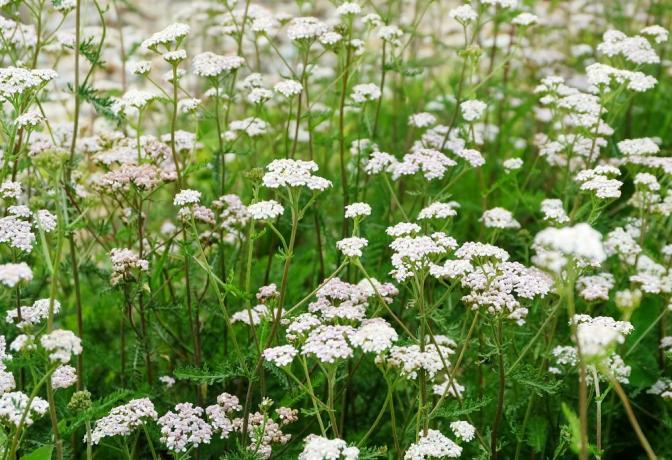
(210, 65)
(13, 407)
(168, 37)
(635, 49)
(306, 29)
(553, 211)
(288, 88)
(18, 81)
(499, 218)
(123, 420)
(365, 92)
(61, 345)
(10, 189)
(555, 247)
(13, 274)
(433, 445)
(657, 33)
(463, 14)
(352, 247)
(184, 428)
(265, 210)
(473, 109)
(328, 343)
(281, 356)
(599, 335)
(125, 264)
(294, 173)
(32, 315)
(320, 448)
(439, 210)
(357, 210)
(374, 336)
(132, 101)
(187, 197)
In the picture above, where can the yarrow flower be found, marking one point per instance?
(319, 448)
(212, 65)
(294, 173)
(187, 198)
(123, 420)
(13, 408)
(499, 218)
(365, 92)
(356, 210)
(555, 247)
(171, 35)
(352, 247)
(184, 428)
(473, 109)
(265, 210)
(13, 274)
(281, 355)
(433, 445)
(61, 345)
(125, 264)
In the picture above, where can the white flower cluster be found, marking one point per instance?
(184, 428)
(173, 34)
(599, 181)
(13, 407)
(319, 448)
(499, 218)
(123, 420)
(365, 92)
(433, 445)
(294, 173)
(61, 345)
(555, 247)
(32, 315)
(413, 254)
(13, 274)
(355, 210)
(635, 49)
(554, 211)
(124, 265)
(438, 210)
(596, 287)
(599, 335)
(352, 246)
(265, 210)
(211, 65)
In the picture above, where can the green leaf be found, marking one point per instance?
(537, 432)
(209, 376)
(41, 453)
(574, 428)
(529, 376)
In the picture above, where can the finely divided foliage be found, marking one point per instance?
(335, 230)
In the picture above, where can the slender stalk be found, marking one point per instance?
(632, 418)
(499, 336)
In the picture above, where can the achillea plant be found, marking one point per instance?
(335, 231)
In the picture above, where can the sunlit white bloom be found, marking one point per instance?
(433, 445)
(352, 247)
(357, 210)
(463, 14)
(281, 355)
(173, 34)
(499, 218)
(473, 109)
(463, 430)
(13, 274)
(265, 210)
(319, 448)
